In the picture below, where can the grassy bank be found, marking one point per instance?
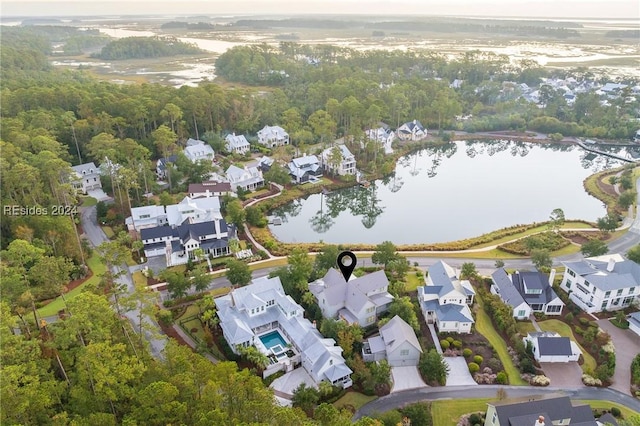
(448, 412)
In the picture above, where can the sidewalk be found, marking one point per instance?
(189, 341)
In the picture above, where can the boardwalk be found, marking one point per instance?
(608, 154)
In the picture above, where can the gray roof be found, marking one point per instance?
(396, 332)
(448, 312)
(625, 273)
(608, 418)
(554, 409)
(86, 169)
(508, 292)
(534, 280)
(156, 232)
(554, 346)
(445, 278)
(634, 318)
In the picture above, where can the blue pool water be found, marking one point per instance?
(273, 339)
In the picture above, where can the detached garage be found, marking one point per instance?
(397, 343)
(551, 347)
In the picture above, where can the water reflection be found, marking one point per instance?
(435, 195)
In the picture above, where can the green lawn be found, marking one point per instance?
(108, 231)
(89, 201)
(596, 403)
(355, 399)
(485, 327)
(139, 278)
(412, 281)
(96, 266)
(448, 412)
(565, 330)
(525, 327)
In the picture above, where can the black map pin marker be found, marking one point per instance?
(347, 263)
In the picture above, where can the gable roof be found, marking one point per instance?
(554, 346)
(508, 292)
(238, 141)
(554, 409)
(444, 276)
(196, 188)
(534, 280)
(272, 132)
(625, 273)
(85, 169)
(634, 318)
(396, 332)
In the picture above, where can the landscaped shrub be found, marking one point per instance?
(457, 344)
(444, 344)
(494, 364)
(476, 419)
(615, 412)
(540, 380)
(591, 381)
(569, 317)
(165, 317)
(583, 321)
(527, 367)
(473, 367)
(467, 352)
(450, 339)
(502, 378)
(478, 359)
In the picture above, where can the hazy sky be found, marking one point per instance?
(515, 8)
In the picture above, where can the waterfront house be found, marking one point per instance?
(445, 300)
(305, 169)
(397, 343)
(547, 411)
(382, 135)
(210, 189)
(549, 346)
(411, 131)
(86, 177)
(273, 136)
(342, 164)
(502, 285)
(608, 282)
(193, 210)
(237, 144)
(261, 314)
(357, 301)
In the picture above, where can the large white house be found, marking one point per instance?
(445, 300)
(197, 150)
(533, 288)
(608, 282)
(237, 144)
(411, 131)
(305, 169)
(550, 410)
(549, 346)
(193, 210)
(273, 136)
(382, 135)
(248, 178)
(262, 315)
(357, 301)
(346, 164)
(634, 322)
(86, 177)
(397, 343)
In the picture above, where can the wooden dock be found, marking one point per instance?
(592, 148)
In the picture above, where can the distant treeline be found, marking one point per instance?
(296, 23)
(468, 27)
(200, 26)
(146, 47)
(623, 34)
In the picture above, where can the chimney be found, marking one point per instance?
(552, 276)
(314, 324)
(540, 421)
(611, 264)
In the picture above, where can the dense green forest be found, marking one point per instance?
(146, 47)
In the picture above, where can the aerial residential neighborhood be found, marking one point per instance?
(320, 214)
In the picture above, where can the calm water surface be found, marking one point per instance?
(461, 190)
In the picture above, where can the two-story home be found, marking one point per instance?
(338, 160)
(397, 343)
(197, 150)
(261, 314)
(193, 210)
(634, 322)
(608, 282)
(305, 169)
(357, 301)
(445, 300)
(210, 189)
(86, 177)
(237, 144)
(248, 178)
(526, 292)
(411, 131)
(551, 410)
(382, 135)
(163, 164)
(178, 244)
(273, 136)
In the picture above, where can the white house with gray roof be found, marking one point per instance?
(273, 136)
(411, 131)
(357, 301)
(193, 210)
(526, 292)
(539, 411)
(397, 343)
(382, 135)
(346, 164)
(247, 178)
(608, 282)
(237, 144)
(634, 322)
(86, 177)
(549, 346)
(197, 150)
(445, 300)
(262, 315)
(304, 169)
(502, 286)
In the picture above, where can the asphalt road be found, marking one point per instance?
(400, 399)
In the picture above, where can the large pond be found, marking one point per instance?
(457, 191)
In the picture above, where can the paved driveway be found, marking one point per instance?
(458, 372)
(563, 374)
(627, 345)
(406, 378)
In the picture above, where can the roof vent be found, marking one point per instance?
(611, 264)
(540, 421)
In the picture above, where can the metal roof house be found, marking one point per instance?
(553, 410)
(551, 347)
(531, 287)
(397, 343)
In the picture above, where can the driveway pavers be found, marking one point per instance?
(563, 374)
(406, 378)
(459, 374)
(627, 345)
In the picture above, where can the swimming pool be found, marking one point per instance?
(274, 342)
